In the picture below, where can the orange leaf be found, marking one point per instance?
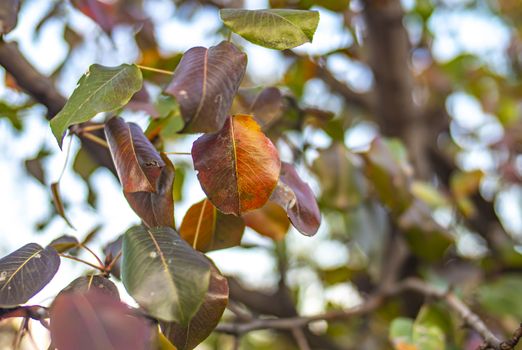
(238, 167)
(270, 221)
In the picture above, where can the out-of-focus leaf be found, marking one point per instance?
(96, 321)
(24, 272)
(205, 228)
(428, 194)
(342, 183)
(169, 120)
(298, 200)
(270, 221)
(101, 89)
(35, 168)
(266, 105)
(164, 274)
(238, 166)
(137, 162)
(428, 328)
(58, 204)
(302, 70)
(91, 234)
(111, 251)
(332, 5)
(8, 15)
(100, 284)
(425, 236)
(502, 296)
(205, 320)
(401, 334)
(389, 174)
(104, 14)
(279, 29)
(204, 85)
(177, 190)
(12, 113)
(156, 208)
(464, 184)
(64, 243)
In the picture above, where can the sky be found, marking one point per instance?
(23, 201)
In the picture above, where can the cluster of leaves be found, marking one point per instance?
(180, 293)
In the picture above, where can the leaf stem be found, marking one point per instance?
(229, 35)
(179, 153)
(99, 268)
(95, 139)
(89, 128)
(156, 70)
(92, 253)
(114, 260)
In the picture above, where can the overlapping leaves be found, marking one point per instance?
(101, 89)
(164, 274)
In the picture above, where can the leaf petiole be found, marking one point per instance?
(95, 139)
(156, 70)
(99, 268)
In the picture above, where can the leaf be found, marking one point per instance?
(156, 208)
(137, 162)
(238, 166)
(206, 319)
(101, 89)
(163, 343)
(64, 243)
(8, 15)
(297, 198)
(111, 251)
(266, 105)
(501, 297)
(163, 273)
(401, 330)
(24, 272)
(100, 284)
(270, 221)
(96, 321)
(342, 183)
(58, 204)
(210, 229)
(205, 83)
(279, 29)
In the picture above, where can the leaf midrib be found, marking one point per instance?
(19, 268)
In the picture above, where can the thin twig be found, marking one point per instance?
(89, 128)
(92, 253)
(179, 153)
(114, 260)
(100, 268)
(95, 139)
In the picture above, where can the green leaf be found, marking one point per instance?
(279, 29)
(502, 296)
(164, 274)
(101, 89)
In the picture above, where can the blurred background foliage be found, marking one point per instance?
(404, 116)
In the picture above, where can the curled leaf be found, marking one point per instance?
(58, 204)
(297, 198)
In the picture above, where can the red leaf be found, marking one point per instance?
(297, 198)
(137, 162)
(156, 208)
(95, 321)
(238, 166)
(210, 228)
(205, 83)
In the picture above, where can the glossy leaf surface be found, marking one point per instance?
(163, 273)
(156, 208)
(297, 198)
(207, 228)
(24, 272)
(101, 89)
(279, 29)
(238, 166)
(137, 162)
(206, 319)
(205, 83)
(96, 321)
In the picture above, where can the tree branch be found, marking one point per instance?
(43, 91)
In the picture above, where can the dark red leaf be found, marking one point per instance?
(97, 283)
(238, 166)
(266, 105)
(95, 321)
(297, 198)
(137, 162)
(156, 208)
(205, 83)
